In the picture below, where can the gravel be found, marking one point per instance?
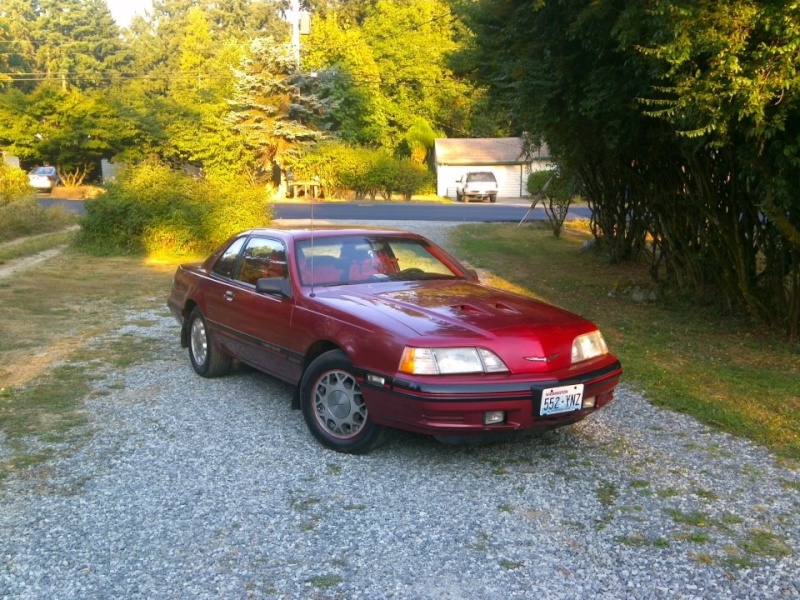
(196, 488)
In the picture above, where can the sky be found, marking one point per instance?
(123, 10)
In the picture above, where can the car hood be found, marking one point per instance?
(445, 308)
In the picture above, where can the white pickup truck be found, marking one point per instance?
(478, 185)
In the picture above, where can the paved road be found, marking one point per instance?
(505, 210)
(510, 211)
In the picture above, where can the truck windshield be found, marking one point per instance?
(481, 177)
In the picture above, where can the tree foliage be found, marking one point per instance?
(214, 83)
(679, 119)
(153, 208)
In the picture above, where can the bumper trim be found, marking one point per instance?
(467, 392)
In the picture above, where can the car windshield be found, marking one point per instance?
(481, 177)
(355, 259)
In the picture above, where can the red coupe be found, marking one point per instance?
(384, 329)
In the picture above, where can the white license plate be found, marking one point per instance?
(562, 399)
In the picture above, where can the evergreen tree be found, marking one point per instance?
(270, 111)
(17, 44)
(78, 43)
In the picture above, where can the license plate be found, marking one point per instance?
(562, 399)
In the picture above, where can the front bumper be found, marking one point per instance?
(479, 195)
(444, 409)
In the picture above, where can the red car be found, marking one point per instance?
(384, 329)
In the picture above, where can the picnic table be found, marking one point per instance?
(295, 189)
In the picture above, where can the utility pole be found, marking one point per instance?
(301, 25)
(295, 18)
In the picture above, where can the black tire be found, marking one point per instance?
(334, 408)
(492, 198)
(207, 359)
(458, 197)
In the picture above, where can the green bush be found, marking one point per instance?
(13, 185)
(25, 217)
(412, 178)
(154, 210)
(355, 174)
(556, 198)
(325, 163)
(365, 171)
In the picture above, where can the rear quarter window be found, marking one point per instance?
(227, 261)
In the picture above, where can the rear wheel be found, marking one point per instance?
(206, 359)
(333, 406)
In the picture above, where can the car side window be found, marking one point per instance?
(263, 257)
(227, 261)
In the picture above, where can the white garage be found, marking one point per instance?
(502, 156)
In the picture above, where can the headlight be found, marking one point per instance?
(588, 346)
(450, 361)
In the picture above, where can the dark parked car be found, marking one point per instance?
(384, 329)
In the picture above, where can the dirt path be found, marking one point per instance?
(13, 266)
(20, 264)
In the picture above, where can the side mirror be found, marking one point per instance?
(274, 285)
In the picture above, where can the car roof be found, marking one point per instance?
(330, 232)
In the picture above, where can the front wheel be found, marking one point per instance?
(206, 359)
(493, 198)
(333, 406)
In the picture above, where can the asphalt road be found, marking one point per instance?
(505, 210)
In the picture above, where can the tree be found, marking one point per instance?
(270, 109)
(357, 113)
(410, 43)
(680, 122)
(70, 129)
(77, 43)
(16, 44)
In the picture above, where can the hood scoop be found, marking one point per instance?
(501, 307)
(471, 309)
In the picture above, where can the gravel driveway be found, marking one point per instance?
(195, 488)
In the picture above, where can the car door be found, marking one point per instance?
(260, 325)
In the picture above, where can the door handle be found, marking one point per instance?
(229, 295)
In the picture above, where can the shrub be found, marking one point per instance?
(365, 171)
(326, 162)
(13, 185)
(360, 174)
(412, 178)
(25, 217)
(154, 210)
(555, 193)
(383, 175)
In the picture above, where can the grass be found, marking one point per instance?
(34, 245)
(52, 319)
(728, 373)
(26, 217)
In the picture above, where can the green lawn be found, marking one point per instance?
(726, 372)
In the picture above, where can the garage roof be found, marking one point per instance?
(484, 151)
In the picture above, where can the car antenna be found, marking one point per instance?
(312, 247)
